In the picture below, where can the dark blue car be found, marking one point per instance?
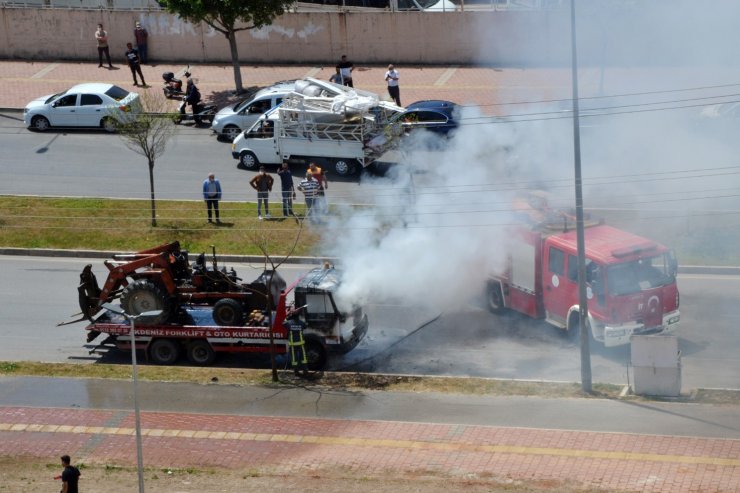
(435, 115)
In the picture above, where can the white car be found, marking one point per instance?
(84, 105)
(233, 120)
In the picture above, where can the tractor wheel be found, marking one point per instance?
(200, 353)
(315, 354)
(145, 296)
(228, 311)
(164, 352)
(495, 297)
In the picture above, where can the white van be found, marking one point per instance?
(233, 120)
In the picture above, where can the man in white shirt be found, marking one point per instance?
(391, 76)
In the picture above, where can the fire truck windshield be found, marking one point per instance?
(639, 275)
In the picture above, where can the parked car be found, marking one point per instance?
(85, 105)
(434, 115)
(233, 120)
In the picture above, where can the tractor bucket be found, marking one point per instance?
(88, 293)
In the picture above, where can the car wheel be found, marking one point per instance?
(344, 167)
(109, 124)
(248, 160)
(40, 123)
(231, 132)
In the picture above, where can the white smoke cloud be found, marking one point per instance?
(437, 227)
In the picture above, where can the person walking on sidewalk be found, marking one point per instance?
(141, 35)
(102, 38)
(262, 182)
(70, 476)
(212, 194)
(391, 76)
(132, 58)
(287, 189)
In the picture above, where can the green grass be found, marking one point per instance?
(125, 225)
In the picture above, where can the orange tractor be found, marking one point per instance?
(161, 278)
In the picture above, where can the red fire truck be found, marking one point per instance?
(631, 281)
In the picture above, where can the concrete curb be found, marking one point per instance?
(257, 259)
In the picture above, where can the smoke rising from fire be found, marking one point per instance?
(647, 71)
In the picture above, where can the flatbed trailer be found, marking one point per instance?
(195, 335)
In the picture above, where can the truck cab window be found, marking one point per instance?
(557, 261)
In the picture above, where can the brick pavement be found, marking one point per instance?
(23, 81)
(279, 445)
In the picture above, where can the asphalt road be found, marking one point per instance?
(402, 339)
(90, 163)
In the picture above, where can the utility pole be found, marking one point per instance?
(582, 299)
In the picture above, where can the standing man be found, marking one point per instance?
(262, 182)
(286, 187)
(320, 177)
(102, 38)
(141, 35)
(192, 98)
(132, 58)
(310, 188)
(69, 476)
(212, 194)
(391, 76)
(345, 68)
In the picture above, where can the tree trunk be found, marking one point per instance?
(235, 62)
(151, 189)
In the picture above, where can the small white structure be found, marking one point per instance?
(656, 362)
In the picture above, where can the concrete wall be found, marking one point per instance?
(409, 38)
(627, 36)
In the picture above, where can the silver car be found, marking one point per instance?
(233, 120)
(84, 105)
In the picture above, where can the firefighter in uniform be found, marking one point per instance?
(296, 343)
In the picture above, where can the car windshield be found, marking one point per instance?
(117, 93)
(240, 105)
(641, 274)
(52, 98)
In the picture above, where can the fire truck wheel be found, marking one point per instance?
(200, 353)
(573, 330)
(495, 298)
(228, 311)
(164, 352)
(145, 296)
(315, 354)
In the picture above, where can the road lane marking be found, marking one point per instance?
(313, 72)
(376, 442)
(41, 73)
(446, 75)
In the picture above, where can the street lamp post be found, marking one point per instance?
(132, 319)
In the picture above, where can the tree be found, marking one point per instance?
(223, 16)
(146, 133)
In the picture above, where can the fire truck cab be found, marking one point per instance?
(631, 281)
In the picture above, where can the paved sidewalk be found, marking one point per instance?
(23, 81)
(293, 430)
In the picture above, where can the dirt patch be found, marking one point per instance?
(30, 474)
